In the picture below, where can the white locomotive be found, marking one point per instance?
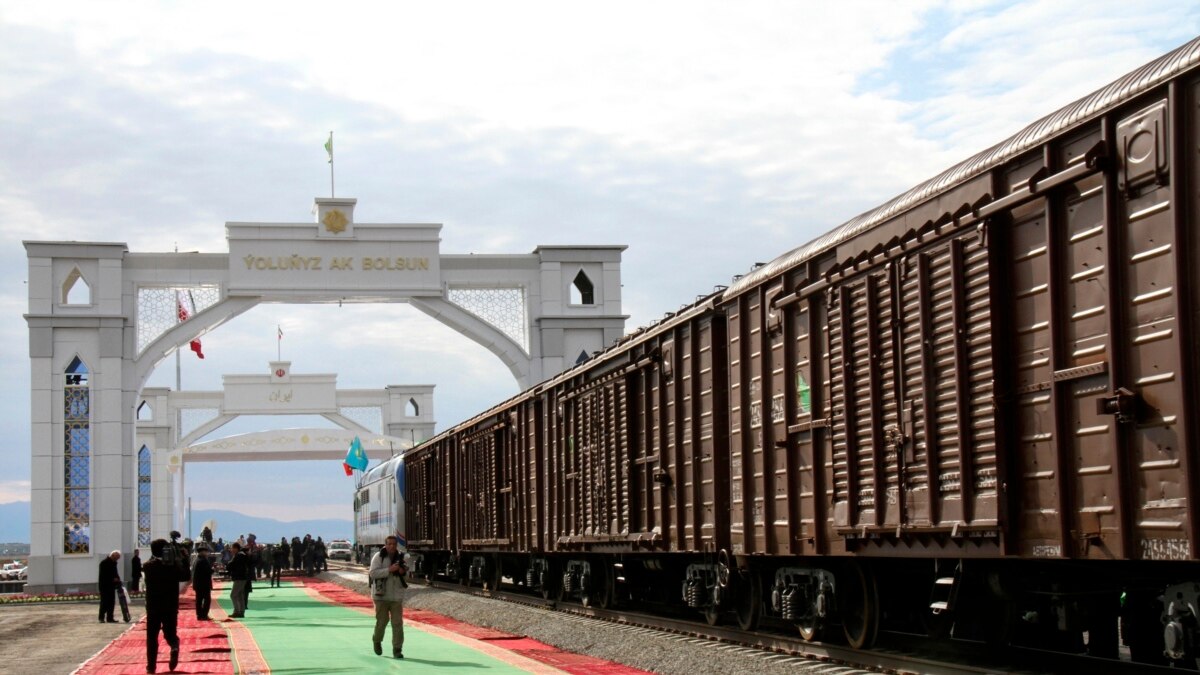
(379, 508)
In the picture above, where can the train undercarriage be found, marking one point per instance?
(1123, 611)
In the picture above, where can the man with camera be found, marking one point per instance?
(388, 586)
(164, 570)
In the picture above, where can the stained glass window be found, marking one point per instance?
(143, 500)
(77, 459)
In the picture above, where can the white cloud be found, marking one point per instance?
(14, 491)
(707, 136)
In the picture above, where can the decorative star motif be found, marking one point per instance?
(335, 222)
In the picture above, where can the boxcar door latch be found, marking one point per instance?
(1128, 406)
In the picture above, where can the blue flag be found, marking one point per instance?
(356, 457)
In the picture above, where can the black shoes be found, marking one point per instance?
(378, 648)
(174, 658)
(110, 621)
(397, 654)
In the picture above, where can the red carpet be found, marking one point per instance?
(205, 646)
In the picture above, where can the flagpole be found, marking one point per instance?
(278, 343)
(331, 193)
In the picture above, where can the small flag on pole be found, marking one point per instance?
(183, 314)
(329, 149)
(356, 457)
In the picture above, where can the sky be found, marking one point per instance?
(705, 136)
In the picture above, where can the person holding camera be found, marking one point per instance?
(388, 586)
(163, 572)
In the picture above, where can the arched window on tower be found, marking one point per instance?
(77, 459)
(145, 412)
(143, 497)
(582, 291)
(76, 290)
(411, 409)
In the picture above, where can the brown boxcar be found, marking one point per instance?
(637, 461)
(472, 494)
(971, 409)
(1000, 365)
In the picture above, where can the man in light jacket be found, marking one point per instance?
(387, 589)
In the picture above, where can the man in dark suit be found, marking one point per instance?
(239, 574)
(281, 561)
(135, 574)
(202, 574)
(108, 581)
(162, 602)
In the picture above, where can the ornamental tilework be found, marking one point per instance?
(502, 308)
(158, 309)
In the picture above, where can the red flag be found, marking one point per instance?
(183, 316)
(349, 469)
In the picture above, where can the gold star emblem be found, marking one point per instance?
(335, 222)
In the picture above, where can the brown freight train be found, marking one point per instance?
(971, 409)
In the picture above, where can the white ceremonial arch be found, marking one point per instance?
(101, 318)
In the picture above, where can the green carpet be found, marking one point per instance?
(300, 634)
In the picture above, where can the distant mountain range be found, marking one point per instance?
(230, 524)
(14, 522)
(14, 525)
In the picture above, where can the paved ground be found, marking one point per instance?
(53, 638)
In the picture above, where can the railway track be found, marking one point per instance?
(896, 652)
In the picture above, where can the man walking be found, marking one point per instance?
(108, 581)
(281, 561)
(135, 572)
(387, 588)
(239, 574)
(202, 582)
(162, 603)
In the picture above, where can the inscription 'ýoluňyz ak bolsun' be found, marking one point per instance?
(317, 263)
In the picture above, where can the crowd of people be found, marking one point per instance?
(172, 565)
(270, 560)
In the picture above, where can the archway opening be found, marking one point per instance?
(367, 346)
(582, 290)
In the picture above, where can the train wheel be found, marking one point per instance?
(493, 572)
(1000, 615)
(464, 572)
(747, 600)
(609, 598)
(551, 582)
(597, 592)
(561, 591)
(858, 601)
